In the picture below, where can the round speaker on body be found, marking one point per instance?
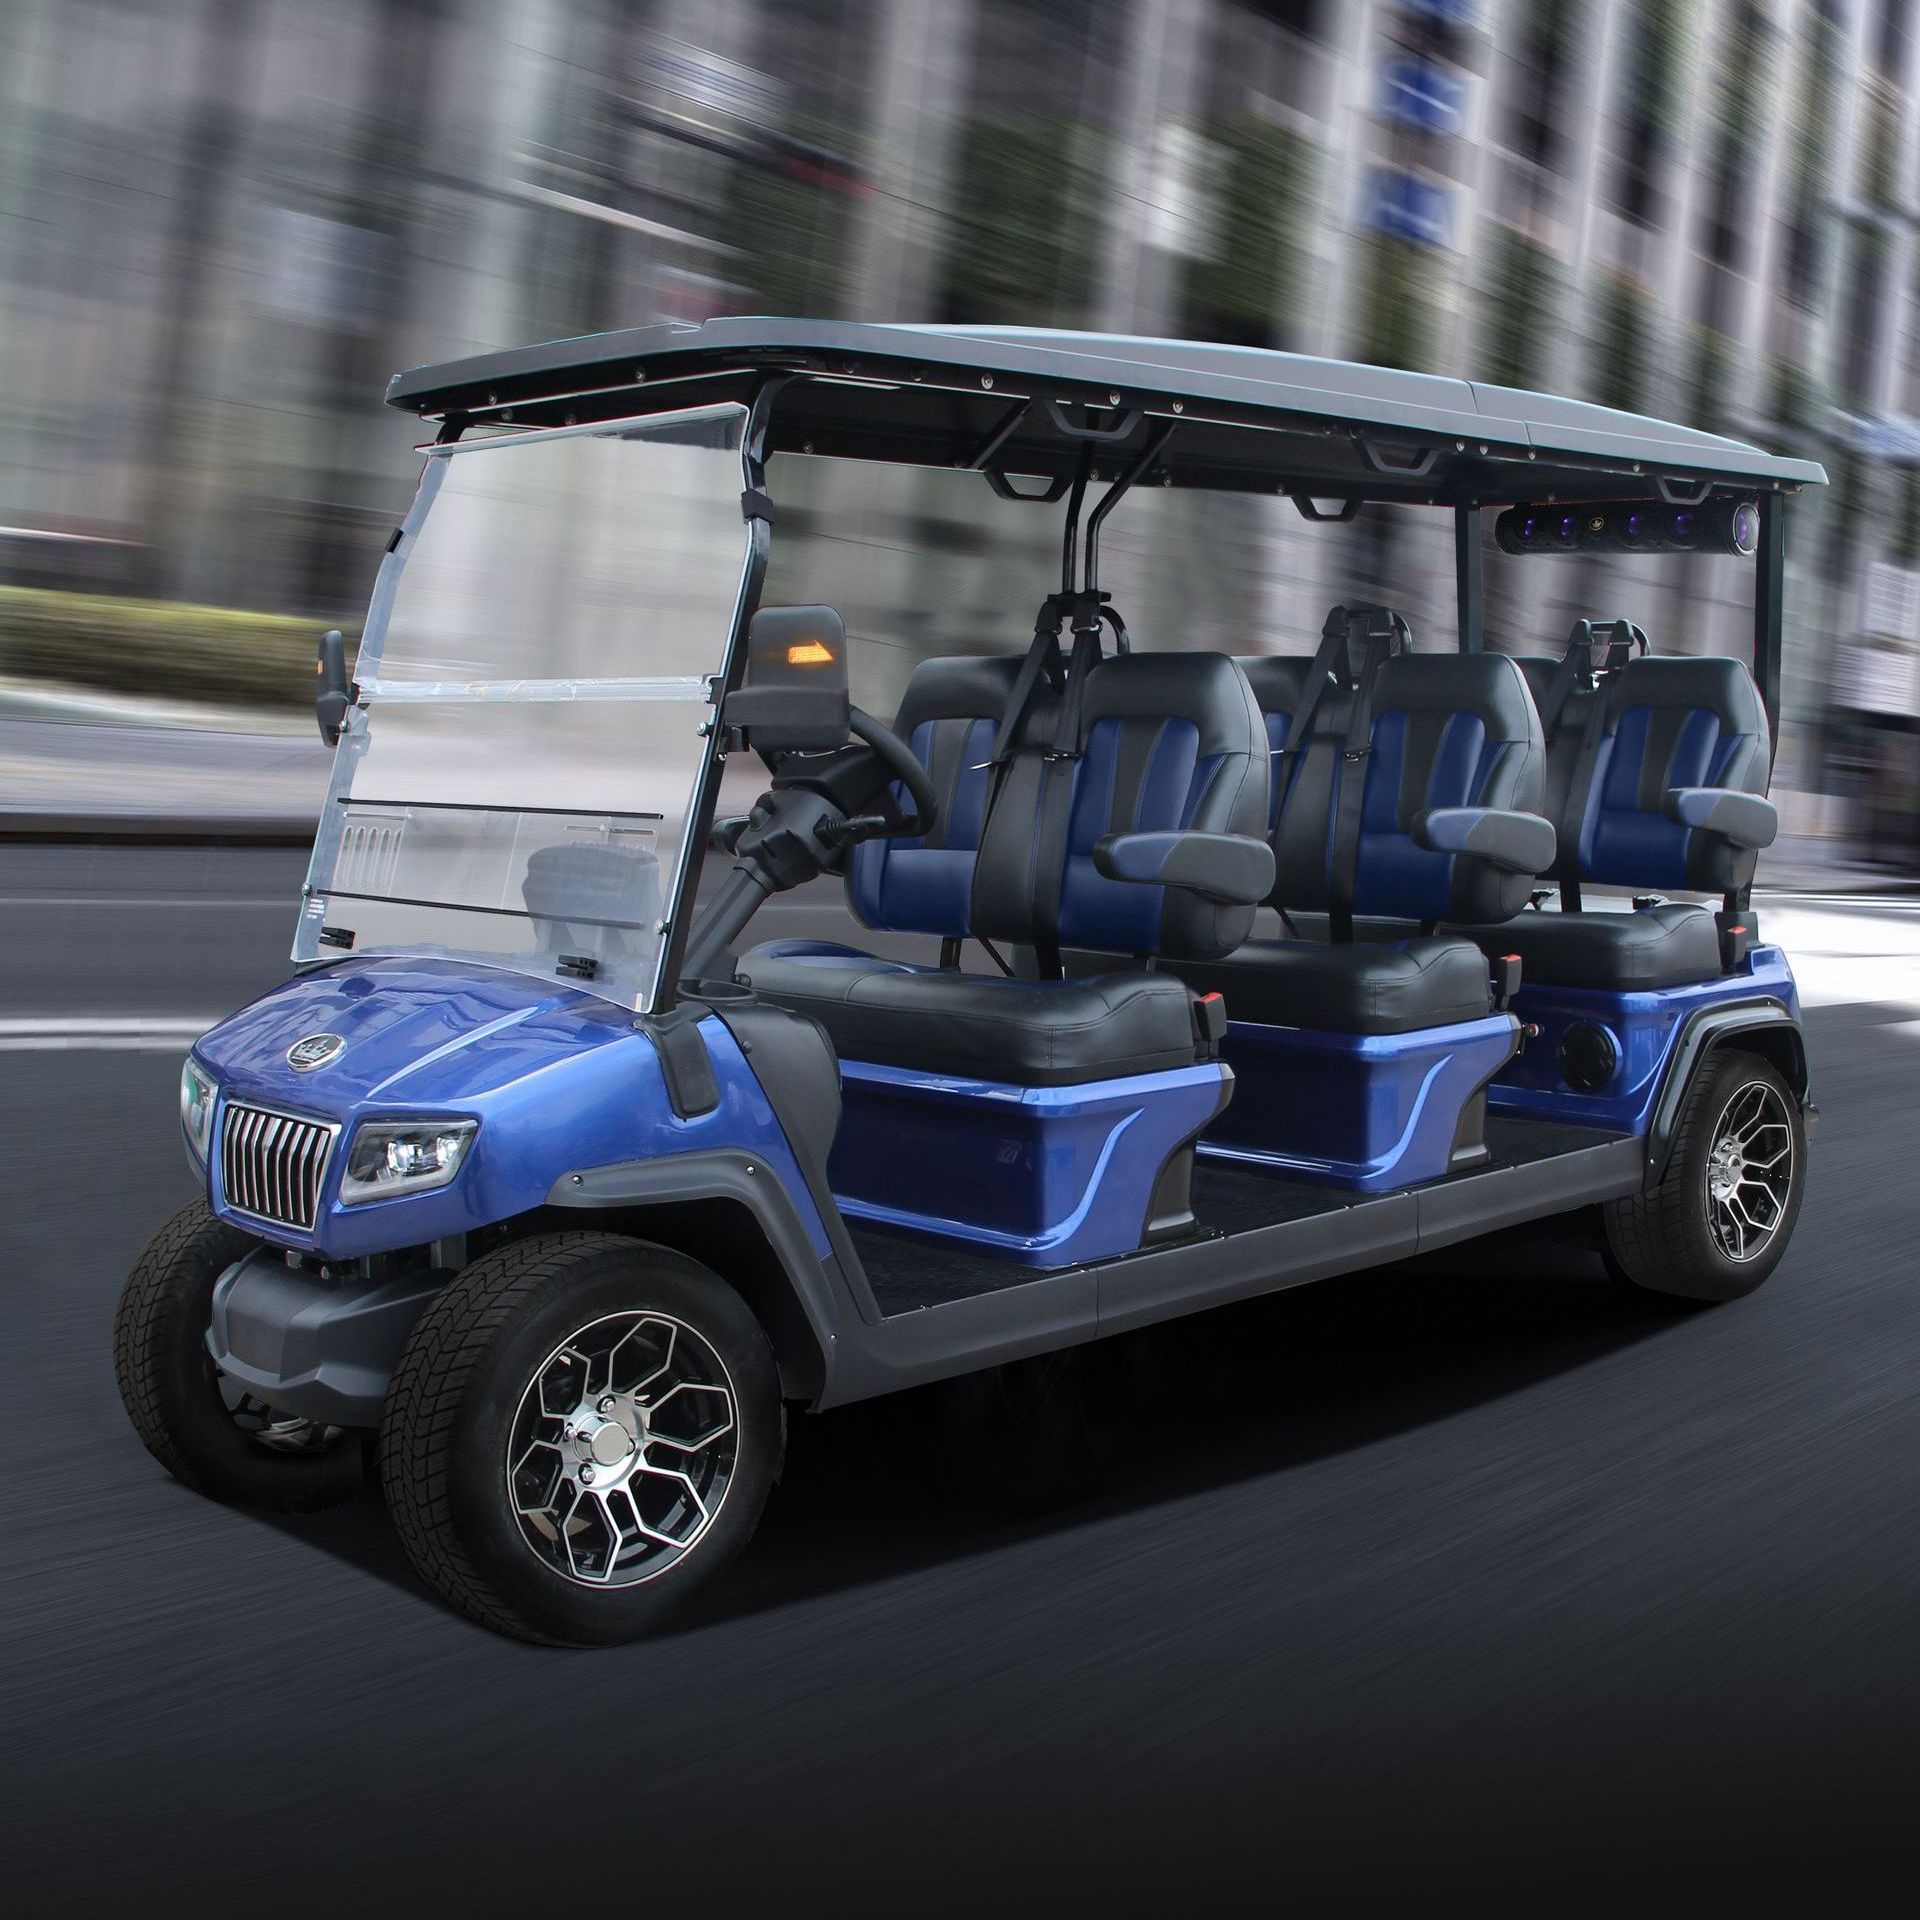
(1588, 1056)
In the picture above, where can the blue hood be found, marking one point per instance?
(431, 1034)
(558, 1080)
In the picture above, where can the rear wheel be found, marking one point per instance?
(1717, 1225)
(583, 1431)
(196, 1422)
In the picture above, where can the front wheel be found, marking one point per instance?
(1717, 1225)
(582, 1431)
(202, 1428)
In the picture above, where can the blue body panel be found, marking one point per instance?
(1644, 1027)
(560, 1081)
(1365, 1111)
(1043, 1176)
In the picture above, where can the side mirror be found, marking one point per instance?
(794, 697)
(335, 694)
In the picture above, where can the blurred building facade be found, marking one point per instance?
(224, 223)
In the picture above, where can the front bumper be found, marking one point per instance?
(318, 1349)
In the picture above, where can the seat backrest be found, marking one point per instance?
(1447, 730)
(949, 716)
(1564, 736)
(1671, 721)
(1168, 742)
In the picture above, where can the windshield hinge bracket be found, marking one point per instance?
(756, 504)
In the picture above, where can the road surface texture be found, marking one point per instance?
(1475, 1577)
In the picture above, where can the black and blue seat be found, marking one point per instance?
(1410, 798)
(1657, 783)
(1054, 1116)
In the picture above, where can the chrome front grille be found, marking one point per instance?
(272, 1164)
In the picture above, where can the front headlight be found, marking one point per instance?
(391, 1157)
(196, 1108)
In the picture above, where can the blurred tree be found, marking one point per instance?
(1245, 289)
(794, 216)
(1661, 41)
(1403, 287)
(1624, 330)
(1522, 287)
(1906, 540)
(1024, 222)
(1710, 385)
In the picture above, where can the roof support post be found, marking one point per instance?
(1769, 597)
(1469, 579)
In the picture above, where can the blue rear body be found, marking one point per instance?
(1364, 1111)
(1042, 1176)
(1644, 1028)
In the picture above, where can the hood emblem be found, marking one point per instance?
(316, 1050)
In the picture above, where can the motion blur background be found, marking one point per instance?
(1449, 1577)
(225, 223)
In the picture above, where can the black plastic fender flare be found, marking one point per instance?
(1710, 1028)
(804, 1319)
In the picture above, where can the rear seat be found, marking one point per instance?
(1448, 732)
(1656, 781)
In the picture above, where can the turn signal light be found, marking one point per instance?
(809, 653)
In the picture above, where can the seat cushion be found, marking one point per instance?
(1386, 987)
(1664, 946)
(1054, 1033)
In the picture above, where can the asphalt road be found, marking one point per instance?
(1466, 1578)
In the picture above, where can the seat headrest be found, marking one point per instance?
(1709, 682)
(1279, 681)
(1207, 689)
(1489, 686)
(962, 687)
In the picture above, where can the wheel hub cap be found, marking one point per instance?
(1749, 1171)
(622, 1449)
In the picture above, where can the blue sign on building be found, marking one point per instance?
(1410, 206)
(1424, 93)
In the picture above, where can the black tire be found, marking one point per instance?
(474, 1364)
(1667, 1241)
(171, 1389)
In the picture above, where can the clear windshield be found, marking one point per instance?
(514, 786)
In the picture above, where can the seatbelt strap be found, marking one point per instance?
(1356, 744)
(1329, 663)
(1566, 855)
(1055, 811)
(1574, 663)
(1042, 661)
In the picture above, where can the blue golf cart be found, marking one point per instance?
(546, 1189)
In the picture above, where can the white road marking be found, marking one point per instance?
(288, 905)
(132, 1033)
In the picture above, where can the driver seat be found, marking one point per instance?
(1167, 743)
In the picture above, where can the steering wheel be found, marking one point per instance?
(899, 760)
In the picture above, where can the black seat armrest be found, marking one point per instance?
(1232, 868)
(1514, 842)
(1745, 820)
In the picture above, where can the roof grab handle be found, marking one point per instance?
(1682, 493)
(1310, 509)
(1002, 484)
(1416, 466)
(1076, 430)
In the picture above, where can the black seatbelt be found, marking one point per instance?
(1377, 647)
(1328, 666)
(1574, 665)
(1054, 813)
(1042, 661)
(1566, 855)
